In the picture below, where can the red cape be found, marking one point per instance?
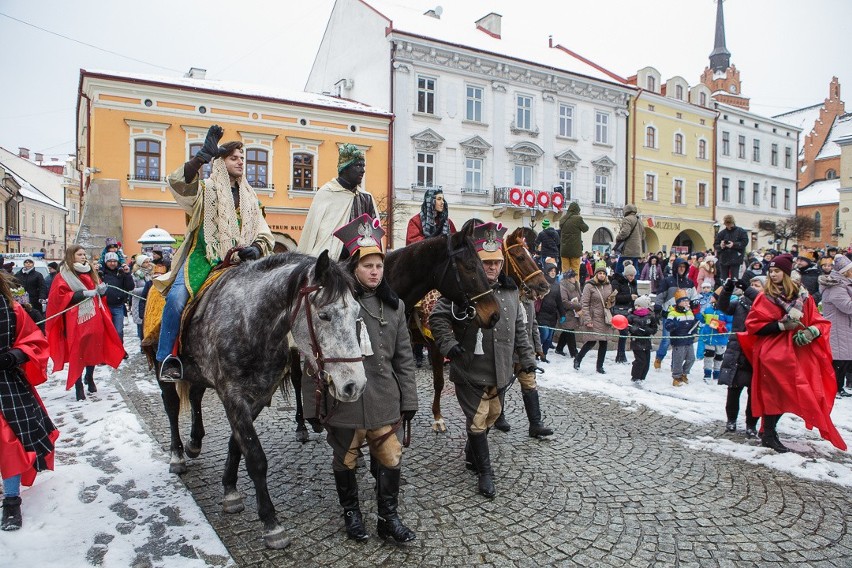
(414, 232)
(14, 459)
(93, 342)
(788, 378)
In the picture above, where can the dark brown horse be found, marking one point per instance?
(520, 266)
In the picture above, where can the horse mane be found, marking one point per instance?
(336, 282)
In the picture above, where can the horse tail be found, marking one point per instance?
(182, 388)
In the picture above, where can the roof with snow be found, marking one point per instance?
(277, 94)
(819, 193)
(457, 26)
(841, 129)
(803, 118)
(42, 181)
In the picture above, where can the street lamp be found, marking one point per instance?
(716, 226)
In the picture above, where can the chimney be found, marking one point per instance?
(196, 73)
(490, 24)
(39, 158)
(434, 13)
(24, 153)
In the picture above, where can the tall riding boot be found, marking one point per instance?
(90, 379)
(601, 357)
(78, 389)
(770, 434)
(387, 498)
(11, 514)
(469, 460)
(502, 424)
(533, 408)
(347, 492)
(482, 459)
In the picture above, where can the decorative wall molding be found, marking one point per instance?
(475, 146)
(427, 140)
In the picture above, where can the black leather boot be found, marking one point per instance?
(533, 408)
(601, 358)
(469, 460)
(387, 498)
(11, 514)
(78, 390)
(90, 379)
(347, 492)
(502, 424)
(770, 435)
(482, 459)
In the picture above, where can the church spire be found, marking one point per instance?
(720, 57)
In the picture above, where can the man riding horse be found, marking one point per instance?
(225, 224)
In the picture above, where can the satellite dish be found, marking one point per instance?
(438, 11)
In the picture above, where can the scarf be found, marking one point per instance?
(223, 228)
(433, 224)
(19, 407)
(86, 308)
(788, 304)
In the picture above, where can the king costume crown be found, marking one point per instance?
(363, 234)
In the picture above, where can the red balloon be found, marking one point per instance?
(619, 322)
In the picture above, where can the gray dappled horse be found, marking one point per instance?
(236, 343)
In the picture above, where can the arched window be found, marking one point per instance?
(831, 174)
(678, 144)
(206, 168)
(651, 137)
(303, 171)
(257, 167)
(817, 225)
(147, 160)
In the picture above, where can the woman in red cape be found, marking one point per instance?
(84, 335)
(786, 341)
(27, 435)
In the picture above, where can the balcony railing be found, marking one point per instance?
(424, 187)
(151, 179)
(474, 191)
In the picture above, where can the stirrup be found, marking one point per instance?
(175, 374)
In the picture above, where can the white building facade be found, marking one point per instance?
(477, 122)
(755, 170)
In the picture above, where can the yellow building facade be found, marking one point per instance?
(133, 130)
(671, 162)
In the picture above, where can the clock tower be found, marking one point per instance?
(721, 77)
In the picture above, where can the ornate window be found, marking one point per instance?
(257, 167)
(473, 173)
(523, 175)
(303, 171)
(147, 159)
(566, 180)
(601, 187)
(425, 169)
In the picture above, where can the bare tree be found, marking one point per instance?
(794, 227)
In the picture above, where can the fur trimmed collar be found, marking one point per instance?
(383, 292)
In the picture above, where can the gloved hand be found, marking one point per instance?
(539, 355)
(408, 415)
(101, 289)
(527, 377)
(743, 284)
(456, 351)
(658, 309)
(789, 325)
(729, 285)
(795, 314)
(7, 361)
(249, 253)
(90, 293)
(807, 335)
(530, 369)
(211, 143)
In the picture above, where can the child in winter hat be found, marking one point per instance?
(641, 325)
(629, 269)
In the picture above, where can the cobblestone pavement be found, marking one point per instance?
(612, 488)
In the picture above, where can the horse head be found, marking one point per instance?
(325, 329)
(464, 281)
(519, 264)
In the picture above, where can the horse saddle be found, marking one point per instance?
(422, 310)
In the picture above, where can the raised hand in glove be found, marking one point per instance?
(408, 415)
(249, 253)
(456, 351)
(102, 288)
(807, 335)
(729, 285)
(211, 143)
(795, 314)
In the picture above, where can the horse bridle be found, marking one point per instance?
(470, 302)
(517, 268)
(322, 378)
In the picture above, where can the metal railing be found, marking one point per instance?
(474, 191)
(424, 187)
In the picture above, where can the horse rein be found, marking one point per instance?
(322, 378)
(516, 268)
(470, 302)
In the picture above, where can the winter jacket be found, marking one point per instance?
(596, 301)
(570, 294)
(33, 283)
(733, 255)
(547, 243)
(681, 326)
(810, 280)
(632, 232)
(551, 309)
(571, 227)
(654, 273)
(641, 328)
(120, 279)
(140, 280)
(715, 325)
(624, 292)
(736, 370)
(533, 334)
(706, 272)
(665, 297)
(495, 367)
(837, 308)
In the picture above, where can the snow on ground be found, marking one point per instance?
(109, 501)
(811, 456)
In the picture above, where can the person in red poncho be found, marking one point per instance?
(27, 434)
(786, 342)
(84, 335)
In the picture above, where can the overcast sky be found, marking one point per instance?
(786, 50)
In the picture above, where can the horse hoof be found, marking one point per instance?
(177, 467)
(192, 450)
(233, 503)
(438, 426)
(276, 539)
(302, 434)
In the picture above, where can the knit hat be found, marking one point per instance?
(363, 234)
(545, 224)
(783, 262)
(548, 267)
(629, 269)
(488, 240)
(680, 294)
(570, 273)
(707, 283)
(842, 264)
(348, 155)
(643, 301)
(110, 256)
(759, 277)
(600, 266)
(141, 259)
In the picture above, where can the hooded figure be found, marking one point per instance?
(571, 229)
(433, 219)
(632, 234)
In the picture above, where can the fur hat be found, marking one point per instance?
(680, 294)
(629, 269)
(488, 240)
(643, 301)
(842, 264)
(783, 262)
(110, 256)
